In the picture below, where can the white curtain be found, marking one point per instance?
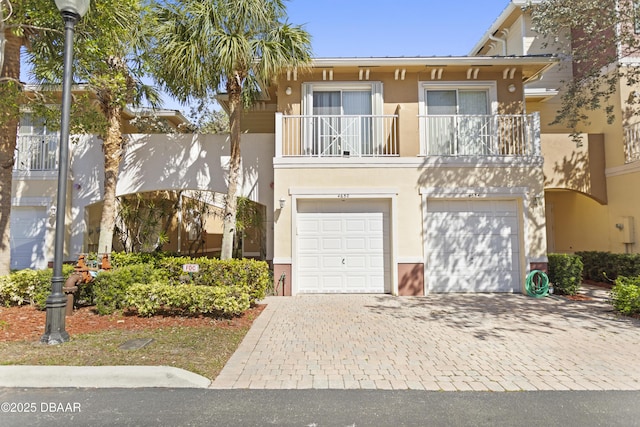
(441, 109)
(474, 130)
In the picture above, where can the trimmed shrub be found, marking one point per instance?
(625, 295)
(565, 272)
(123, 259)
(149, 298)
(29, 286)
(110, 287)
(606, 267)
(233, 273)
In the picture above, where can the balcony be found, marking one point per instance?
(36, 153)
(480, 135)
(370, 136)
(337, 136)
(632, 143)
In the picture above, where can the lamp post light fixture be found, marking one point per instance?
(55, 333)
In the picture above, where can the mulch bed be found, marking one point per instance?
(26, 323)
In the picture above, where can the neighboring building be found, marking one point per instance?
(193, 165)
(590, 202)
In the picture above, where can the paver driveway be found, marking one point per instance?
(496, 342)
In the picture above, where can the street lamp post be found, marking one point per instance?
(71, 11)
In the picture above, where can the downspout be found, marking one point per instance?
(502, 41)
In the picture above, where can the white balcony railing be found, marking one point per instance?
(632, 143)
(36, 152)
(480, 135)
(337, 136)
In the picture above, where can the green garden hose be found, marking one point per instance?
(537, 284)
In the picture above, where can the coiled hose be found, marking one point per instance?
(537, 284)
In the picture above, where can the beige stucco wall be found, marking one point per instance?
(575, 166)
(405, 182)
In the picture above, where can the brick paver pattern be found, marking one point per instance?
(482, 342)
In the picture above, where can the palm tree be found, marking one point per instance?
(238, 45)
(110, 40)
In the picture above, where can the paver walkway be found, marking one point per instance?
(494, 342)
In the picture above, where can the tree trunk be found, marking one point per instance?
(231, 205)
(111, 147)
(8, 136)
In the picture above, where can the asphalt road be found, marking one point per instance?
(317, 408)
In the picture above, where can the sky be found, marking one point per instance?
(367, 28)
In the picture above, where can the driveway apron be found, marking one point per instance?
(489, 342)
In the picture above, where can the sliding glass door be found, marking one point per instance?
(458, 122)
(342, 122)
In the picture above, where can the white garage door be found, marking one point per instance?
(28, 228)
(343, 246)
(472, 246)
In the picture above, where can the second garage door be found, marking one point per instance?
(472, 246)
(28, 228)
(343, 246)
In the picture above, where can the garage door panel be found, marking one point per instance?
(331, 225)
(309, 261)
(355, 225)
(359, 243)
(28, 229)
(472, 246)
(331, 244)
(352, 249)
(467, 283)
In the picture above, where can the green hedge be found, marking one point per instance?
(150, 298)
(606, 267)
(237, 277)
(233, 273)
(625, 295)
(565, 272)
(124, 259)
(29, 286)
(110, 287)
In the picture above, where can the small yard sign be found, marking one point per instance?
(190, 268)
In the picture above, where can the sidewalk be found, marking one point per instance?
(99, 377)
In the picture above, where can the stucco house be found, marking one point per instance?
(589, 200)
(384, 175)
(408, 176)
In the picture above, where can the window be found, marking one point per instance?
(340, 120)
(457, 120)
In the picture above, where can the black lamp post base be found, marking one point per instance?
(54, 328)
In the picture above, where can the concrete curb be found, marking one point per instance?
(99, 377)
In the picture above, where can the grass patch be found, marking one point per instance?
(202, 350)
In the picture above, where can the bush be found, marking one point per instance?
(233, 273)
(606, 267)
(149, 298)
(124, 259)
(29, 286)
(625, 295)
(565, 272)
(110, 287)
